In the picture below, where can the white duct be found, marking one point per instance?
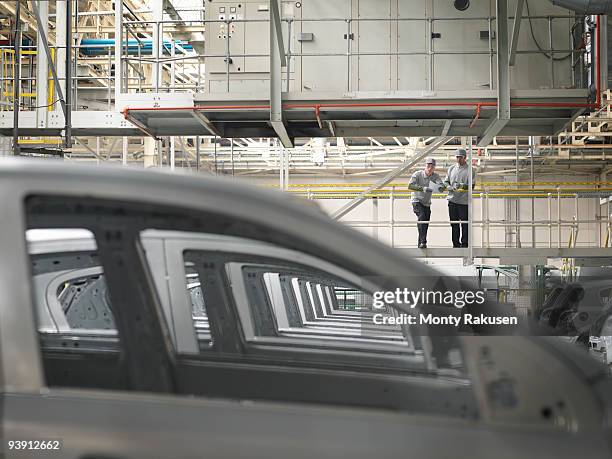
(586, 7)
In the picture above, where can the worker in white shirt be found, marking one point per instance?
(457, 183)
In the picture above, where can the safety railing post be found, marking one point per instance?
(482, 219)
(392, 216)
(549, 220)
(608, 220)
(576, 216)
(558, 217)
(227, 55)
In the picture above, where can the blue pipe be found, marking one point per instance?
(100, 46)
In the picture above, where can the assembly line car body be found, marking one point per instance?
(202, 318)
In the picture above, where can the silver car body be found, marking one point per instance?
(542, 373)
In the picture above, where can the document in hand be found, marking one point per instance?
(436, 187)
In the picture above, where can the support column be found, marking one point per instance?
(118, 49)
(603, 55)
(157, 7)
(277, 59)
(5, 146)
(503, 75)
(17, 79)
(124, 151)
(60, 42)
(149, 152)
(42, 66)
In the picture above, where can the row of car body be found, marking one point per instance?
(149, 315)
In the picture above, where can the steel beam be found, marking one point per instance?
(275, 21)
(68, 66)
(89, 149)
(158, 15)
(276, 97)
(60, 43)
(206, 123)
(42, 66)
(503, 76)
(446, 128)
(17, 79)
(414, 159)
(516, 28)
(118, 49)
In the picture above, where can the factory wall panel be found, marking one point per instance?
(325, 73)
(259, 46)
(412, 38)
(338, 26)
(374, 37)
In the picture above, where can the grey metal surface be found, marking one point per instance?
(585, 6)
(226, 429)
(175, 426)
(503, 75)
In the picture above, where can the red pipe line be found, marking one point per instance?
(476, 116)
(318, 107)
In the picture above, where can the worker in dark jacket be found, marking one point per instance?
(422, 184)
(457, 183)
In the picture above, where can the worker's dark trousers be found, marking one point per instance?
(423, 213)
(459, 212)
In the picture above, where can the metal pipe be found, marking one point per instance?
(551, 54)
(429, 38)
(598, 217)
(576, 219)
(68, 113)
(482, 218)
(215, 155)
(16, 78)
(609, 221)
(532, 143)
(487, 222)
(288, 54)
(118, 49)
(109, 77)
(558, 217)
(470, 202)
(518, 205)
(490, 55)
(227, 55)
(392, 216)
(197, 145)
(549, 220)
(124, 151)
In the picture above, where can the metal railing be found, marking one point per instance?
(561, 231)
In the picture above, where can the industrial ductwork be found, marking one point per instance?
(586, 6)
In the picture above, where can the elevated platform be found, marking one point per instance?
(520, 256)
(355, 114)
(414, 113)
(84, 123)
